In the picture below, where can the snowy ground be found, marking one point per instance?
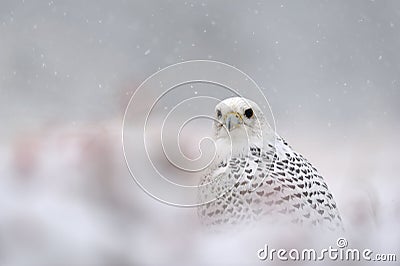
(68, 199)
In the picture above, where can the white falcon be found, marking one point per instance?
(257, 175)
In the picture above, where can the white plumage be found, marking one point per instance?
(257, 175)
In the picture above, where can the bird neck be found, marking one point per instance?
(235, 147)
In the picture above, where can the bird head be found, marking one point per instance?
(239, 119)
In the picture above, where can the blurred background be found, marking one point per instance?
(330, 70)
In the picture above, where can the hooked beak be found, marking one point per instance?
(233, 120)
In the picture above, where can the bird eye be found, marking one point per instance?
(248, 113)
(219, 114)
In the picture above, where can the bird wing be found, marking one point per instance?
(277, 182)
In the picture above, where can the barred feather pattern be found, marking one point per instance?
(277, 184)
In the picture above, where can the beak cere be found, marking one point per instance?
(232, 120)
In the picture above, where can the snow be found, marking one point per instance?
(329, 70)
